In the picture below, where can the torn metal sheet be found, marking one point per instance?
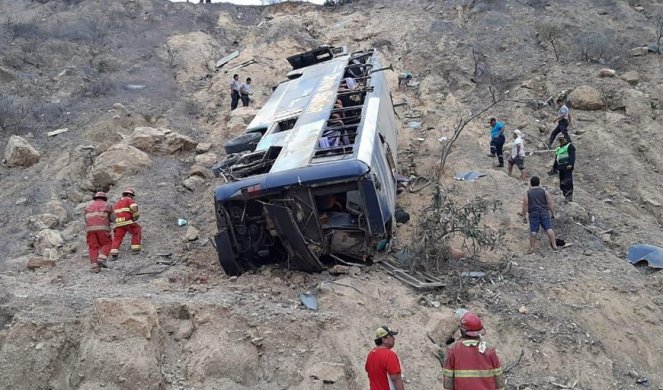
(469, 176)
(418, 280)
(474, 274)
(56, 132)
(652, 254)
(227, 58)
(309, 300)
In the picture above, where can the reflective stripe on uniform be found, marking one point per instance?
(123, 223)
(123, 210)
(135, 247)
(97, 228)
(472, 373)
(102, 214)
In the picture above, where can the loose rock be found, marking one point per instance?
(192, 234)
(586, 98)
(631, 77)
(19, 153)
(133, 316)
(116, 163)
(607, 73)
(47, 239)
(39, 262)
(207, 160)
(193, 183)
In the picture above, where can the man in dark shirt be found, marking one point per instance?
(541, 209)
(565, 161)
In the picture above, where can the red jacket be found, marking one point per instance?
(472, 365)
(98, 216)
(126, 211)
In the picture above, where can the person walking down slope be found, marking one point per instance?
(98, 217)
(126, 215)
(382, 364)
(234, 92)
(517, 154)
(470, 363)
(565, 160)
(245, 91)
(563, 121)
(497, 141)
(541, 209)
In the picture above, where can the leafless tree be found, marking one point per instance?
(460, 125)
(659, 30)
(550, 32)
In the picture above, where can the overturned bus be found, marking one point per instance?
(312, 180)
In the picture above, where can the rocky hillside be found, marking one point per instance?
(135, 85)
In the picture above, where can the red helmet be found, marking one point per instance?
(100, 195)
(471, 324)
(129, 191)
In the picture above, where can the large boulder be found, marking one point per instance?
(150, 139)
(19, 153)
(206, 160)
(119, 161)
(57, 208)
(43, 221)
(131, 316)
(586, 98)
(47, 241)
(632, 77)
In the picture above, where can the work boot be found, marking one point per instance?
(113, 257)
(102, 264)
(95, 268)
(552, 172)
(569, 198)
(491, 155)
(135, 252)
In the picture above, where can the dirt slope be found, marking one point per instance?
(583, 318)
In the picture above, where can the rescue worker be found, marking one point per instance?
(98, 217)
(470, 363)
(565, 159)
(126, 215)
(497, 141)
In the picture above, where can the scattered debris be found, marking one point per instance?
(418, 280)
(469, 176)
(181, 222)
(653, 255)
(135, 87)
(56, 132)
(442, 139)
(339, 269)
(227, 59)
(414, 125)
(310, 301)
(473, 274)
(522, 310)
(242, 65)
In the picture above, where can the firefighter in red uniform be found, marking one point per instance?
(126, 215)
(470, 364)
(98, 216)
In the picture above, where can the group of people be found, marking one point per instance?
(239, 91)
(537, 202)
(469, 362)
(99, 215)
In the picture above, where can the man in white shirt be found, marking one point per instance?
(245, 91)
(517, 154)
(234, 92)
(563, 121)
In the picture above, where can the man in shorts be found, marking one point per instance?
(517, 154)
(541, 209)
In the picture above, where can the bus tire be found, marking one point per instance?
(242, 143)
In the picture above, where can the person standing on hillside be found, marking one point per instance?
(98, 217)
(404, 79)
(565, 160)
(497, 141)
(245, 91)
(382, 364)
(563, 121)
(470, 363)
(126, 215)
(541, 209)
(517, 154)
(234, 92)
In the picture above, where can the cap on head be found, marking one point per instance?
(100, 195)
(471, 324)
(129, 191)
(518, 132)
(384, 331)
(563, 140)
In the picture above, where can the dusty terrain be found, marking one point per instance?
(582, 318)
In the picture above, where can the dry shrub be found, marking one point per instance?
(445, 220)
